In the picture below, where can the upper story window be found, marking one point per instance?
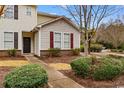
(9, 12)
(28, 11)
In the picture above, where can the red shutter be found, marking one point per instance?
(51, 40)
(72, 39)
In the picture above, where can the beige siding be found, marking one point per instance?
(59, 26)
(24, 23)
(42, 19)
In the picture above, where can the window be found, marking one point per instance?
(28, 11)
(57, 40)
(8, 40)
(9, 13)
(66, 40)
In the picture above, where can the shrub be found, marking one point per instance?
(116, 50)
(96, 47)
(81, 66)
(28, 76)
(105, 44)
(76, 51)
(54, 52)
(12, 52)
(106, 72)
(94, 59)
(121, 47)
(81, 48)
(108, 69)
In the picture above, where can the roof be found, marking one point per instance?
(47, 14)
(54, 20)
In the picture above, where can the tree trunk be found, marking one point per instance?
(86, 48)
(89, 43)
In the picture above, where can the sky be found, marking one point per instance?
(54, 9)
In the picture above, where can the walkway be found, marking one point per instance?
(108, 53)
(55, 78)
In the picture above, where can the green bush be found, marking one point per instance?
(82, 48)
(12, 52)
(106, 72)
(28, 76)
(105, 44)
(104, 68)
(121, 46)
(96, 47)
(76, 51)
(81, 66)
(116, 50)
(54, 52)
(108, 69)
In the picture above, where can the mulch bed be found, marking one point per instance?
(13, 58)
(4, 71)
(90, 83)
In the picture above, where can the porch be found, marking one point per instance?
(28, 44)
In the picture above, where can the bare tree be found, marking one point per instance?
(111, 33)
(88, 18)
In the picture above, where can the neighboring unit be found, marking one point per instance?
(23, 28)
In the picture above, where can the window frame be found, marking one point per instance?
(60, 39)
(12, 11)
(9, 41)
(28, 11)
(69, 40)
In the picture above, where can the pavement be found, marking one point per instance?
(55, 78)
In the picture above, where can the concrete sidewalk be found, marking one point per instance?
(55, 78)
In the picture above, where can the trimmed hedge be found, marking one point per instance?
(81, 66)
(107, 72)
(93, 48)
(96, 47)
(28, 76)
(116, 50)
(105, 68)
(54, 52)
(76, 51)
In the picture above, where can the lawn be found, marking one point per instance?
(9, 63)
(63, 65)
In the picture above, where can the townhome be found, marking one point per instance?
(28, 31)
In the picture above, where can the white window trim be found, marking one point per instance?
(12, 11)
(61, 38)
(28, 10)
(4, 39)
(63, 41)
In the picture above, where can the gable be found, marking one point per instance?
(60, 25)
(42, 19)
